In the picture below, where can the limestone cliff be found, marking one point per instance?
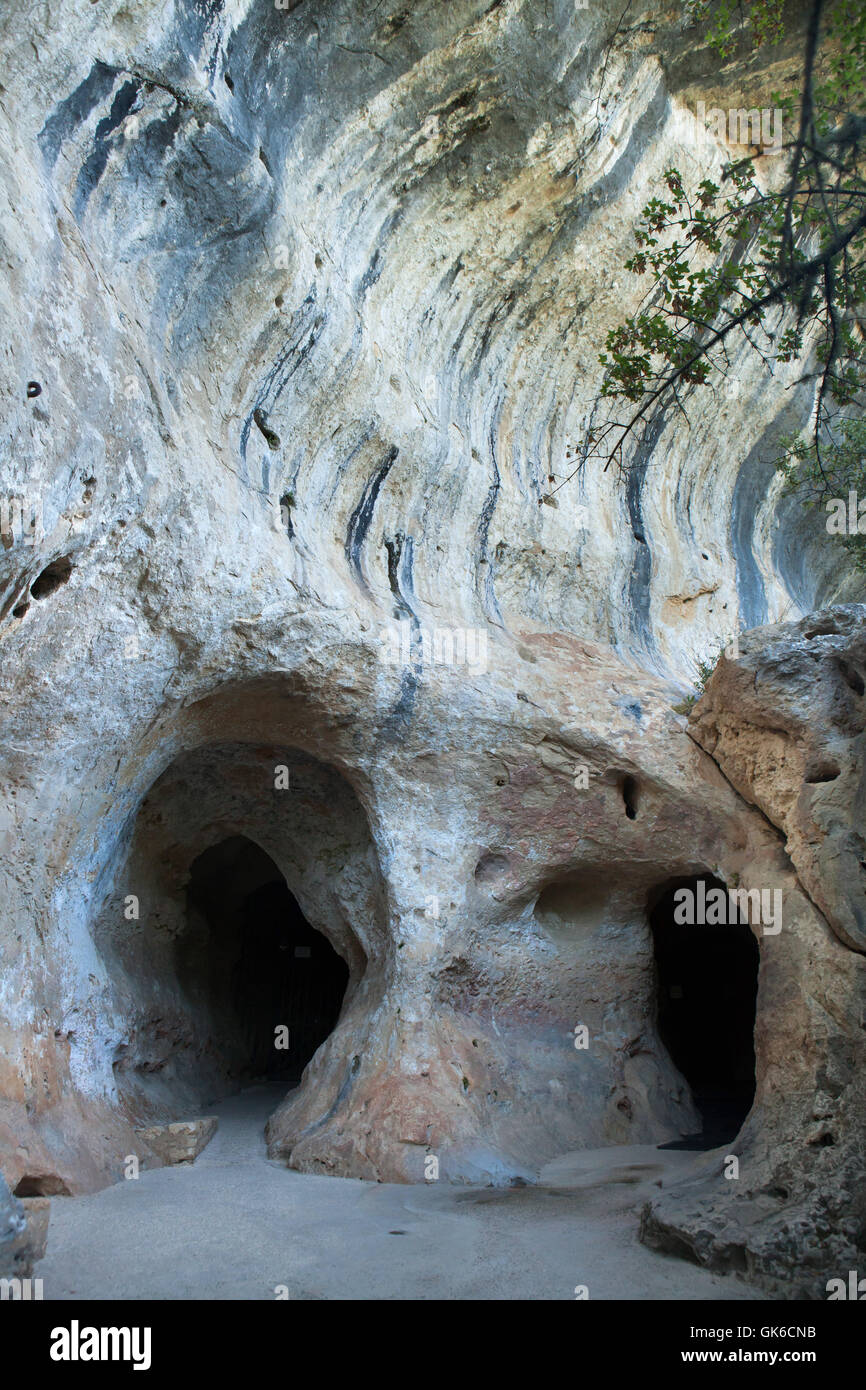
(305, 304)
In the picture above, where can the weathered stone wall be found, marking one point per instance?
(786, 723)
(314, 299)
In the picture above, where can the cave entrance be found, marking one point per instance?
(270, 985)
(707, 984)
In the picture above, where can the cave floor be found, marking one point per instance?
(235, 1225)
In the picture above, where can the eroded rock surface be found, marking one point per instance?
(785, 722)
(23, 1233)
(310, 302)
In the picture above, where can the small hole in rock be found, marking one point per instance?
(270, 436)
(822, 1141)
(228, 81)
(824, 772)
(20, 610)
(630, 797)
(33, 389)
(51, 577)
(852, 678)
(490, 867)
(279, 301)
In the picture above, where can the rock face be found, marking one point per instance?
(12, 1225)
(786, 723)
(309, 302)
(23, 1233)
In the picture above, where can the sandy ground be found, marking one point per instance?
(235, 1225)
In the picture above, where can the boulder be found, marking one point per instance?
(23, 1232)
(181, 1141)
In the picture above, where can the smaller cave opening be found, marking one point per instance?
(51, 577)
(270, 984)
(706, 991)
(825, 770)
(45, 1185)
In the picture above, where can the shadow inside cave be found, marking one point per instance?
(707, 983)
(270, 985)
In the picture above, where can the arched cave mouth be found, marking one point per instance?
(706, 991)
(245, 899)
(271, 985)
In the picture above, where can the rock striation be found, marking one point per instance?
(308, 302)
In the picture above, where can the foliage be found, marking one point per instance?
(779, 264)
(840, 471)
(704, 670)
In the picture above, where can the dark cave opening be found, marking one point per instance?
(272, 985)
(707, 983)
